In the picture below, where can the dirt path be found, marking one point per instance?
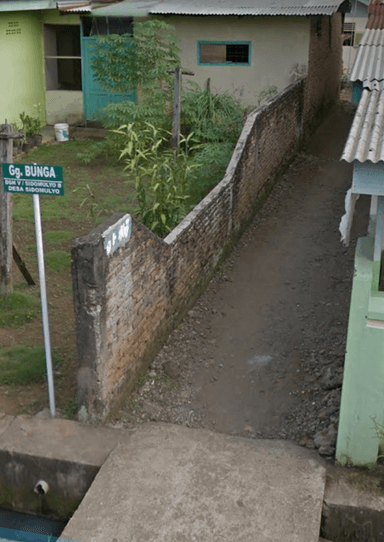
(261, 354)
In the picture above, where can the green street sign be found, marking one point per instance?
(33, 179)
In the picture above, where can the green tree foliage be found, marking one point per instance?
(144, 60)
(161, 177)
(213, 117)
(167, 184)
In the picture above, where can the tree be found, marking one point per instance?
(143, 61)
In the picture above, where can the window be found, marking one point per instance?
(62, 57)
(103, 26)
(221, 53)
(351, 38)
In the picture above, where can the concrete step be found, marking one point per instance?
(168, 483)
(353, 507)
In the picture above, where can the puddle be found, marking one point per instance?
(260, 360)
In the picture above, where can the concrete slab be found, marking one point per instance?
(170, 483)
(58, 439)
(5, 422)
(354, 504)
(360, 488)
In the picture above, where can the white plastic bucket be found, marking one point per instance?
(62, 132)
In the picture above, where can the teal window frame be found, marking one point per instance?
(200, 63)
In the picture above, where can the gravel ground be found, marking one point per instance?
(261, 353)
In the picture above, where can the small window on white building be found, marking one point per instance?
(349, 34)
(104, 26)
(62, 57)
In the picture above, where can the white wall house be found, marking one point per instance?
(354, 26)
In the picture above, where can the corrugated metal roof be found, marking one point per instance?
(366, 138)
(224, 7)
(24, 5)
(138, 8)
(368, 66)
(82, 5)
(248, 7)
(372, 37)
(70, 5)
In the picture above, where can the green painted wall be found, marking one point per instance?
(362, 399)
(22, 82)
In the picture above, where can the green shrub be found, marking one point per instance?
(212, 117)
(161, 175)
(167, 184)
(211, 162)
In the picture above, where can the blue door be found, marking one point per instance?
(94, 96)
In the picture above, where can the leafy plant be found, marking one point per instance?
(211, 160)
(166, 185)
(31, 126)
(91, 152)
(211, 116)
(95, 206)
(144, 63)
(69, 411)
(161, 177)
(144, 60)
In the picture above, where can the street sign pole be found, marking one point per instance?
(44, 304)
(37, 179)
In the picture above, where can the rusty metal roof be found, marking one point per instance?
(366, 137)
(223, 7)
(375, 14)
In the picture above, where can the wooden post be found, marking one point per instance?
(6, 156)
(176, 110)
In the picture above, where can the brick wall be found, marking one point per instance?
(324, 65)
(127, 302)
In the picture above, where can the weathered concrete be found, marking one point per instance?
(169, 483)
(353, 505)
(65, 454)
(5, 422)
(60, 439)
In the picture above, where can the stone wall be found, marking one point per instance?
(127, 300)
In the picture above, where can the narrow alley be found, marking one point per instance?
(261, 353)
